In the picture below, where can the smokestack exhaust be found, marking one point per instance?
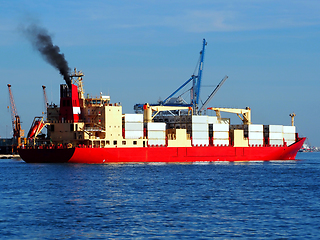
(42, 42)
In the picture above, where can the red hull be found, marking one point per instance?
(160, 154)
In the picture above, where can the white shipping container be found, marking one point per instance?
(203, 142)
(131, 117)
(276, 142)
(289, 129)
(199, 119)
(255, 141)
(218, 127)
(289, 136)
(221, 135)
(157, 142)
(221, 142)
(133, 126)
(156, 134)
(133, 134)
(200, 127)
(275, 128)
(275, 135)
(255, 128)
(158, 126)
(212, 119)
(255, 135)
(200, 135)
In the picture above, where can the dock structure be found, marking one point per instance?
(9, 156)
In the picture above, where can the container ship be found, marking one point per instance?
(94, 130)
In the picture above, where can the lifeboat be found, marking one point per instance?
(36, 128)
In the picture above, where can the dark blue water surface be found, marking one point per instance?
(265, 200)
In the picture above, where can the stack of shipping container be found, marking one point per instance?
(255, 134)
(156, 133)
(133, 126)
(274, 133)
(220, 134)
(289, 134)
(203, 127)
(200, 131)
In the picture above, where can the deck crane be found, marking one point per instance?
(45, 99)
(243, 114)
(16, 125)
(148, 110)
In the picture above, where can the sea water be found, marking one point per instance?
(260, 200)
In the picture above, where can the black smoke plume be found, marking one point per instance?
(42, 41)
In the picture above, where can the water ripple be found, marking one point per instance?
(269, 200)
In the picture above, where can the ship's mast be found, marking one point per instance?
(292, 115)
(76, 77)
(45, 100)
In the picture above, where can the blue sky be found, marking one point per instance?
(140, 51)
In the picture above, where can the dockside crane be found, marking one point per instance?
(196, 85)
(203, 107)
(16, 124)
(195, 80)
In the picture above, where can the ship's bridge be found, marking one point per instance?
(96, 102)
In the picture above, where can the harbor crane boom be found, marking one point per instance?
(16, 125)
(213, 93)
(195, 82)
(171, 95)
